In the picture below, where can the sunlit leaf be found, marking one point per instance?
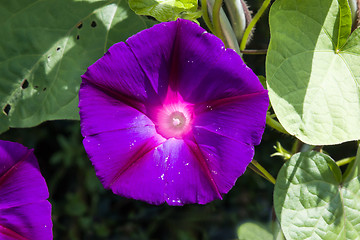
(313, 72)
(45, 47)
(312, 202)
(167, 10)
(254, 231)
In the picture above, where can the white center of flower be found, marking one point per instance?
(172, 122)
(176, 122)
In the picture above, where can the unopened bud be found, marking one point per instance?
(239, 15)
(355, 13)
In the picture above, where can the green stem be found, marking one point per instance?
(254, 52)
(251, 25)
(216, 20)
(350, 167)
(275, 125)
(261, 171)
(252, 167)
(345, 161)
(206, 17)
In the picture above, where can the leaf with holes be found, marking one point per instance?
(44, 49)
(165, 10)
(313, 202)
(313, 71)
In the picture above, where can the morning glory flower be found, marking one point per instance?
(171, 116)
(24, 211)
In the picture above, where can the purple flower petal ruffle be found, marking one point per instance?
(24, 211)
(171, 115)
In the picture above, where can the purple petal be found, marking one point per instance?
(25, 222)
(100, 112)
(118, 74)
(10, 153)
(226, 158)
(223, 74)
(193, 61)
(240, 118)
(206, 70)
(121, 163)
(21, 182)
(188, 177)
(153, 50)
(24, 212)
(151, 171)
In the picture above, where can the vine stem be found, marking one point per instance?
(251, 25)
(257, 168)
(345, 161)
(255, 51)
(206, 17)
(275, 124)
(216, 20)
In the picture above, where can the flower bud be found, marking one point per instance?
(355, 13)
(239, 15)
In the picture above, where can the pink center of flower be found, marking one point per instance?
(174, 118)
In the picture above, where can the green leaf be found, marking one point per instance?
(313, 72)
(254, 231)
(277, 232)
(46, 46)
(262, 80)
(345, 23)
(166, 10)
(311, 201)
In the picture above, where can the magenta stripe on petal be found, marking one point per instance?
(240, 118)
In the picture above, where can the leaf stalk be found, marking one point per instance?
(258, 169)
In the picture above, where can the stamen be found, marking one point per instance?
(176, 122)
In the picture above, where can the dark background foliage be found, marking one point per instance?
(82, 209)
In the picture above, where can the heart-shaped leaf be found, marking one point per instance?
(313, 71)
(167, 10)
(312, 202)
(45, 47)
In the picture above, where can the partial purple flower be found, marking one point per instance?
(24, 211)
(171, 115)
